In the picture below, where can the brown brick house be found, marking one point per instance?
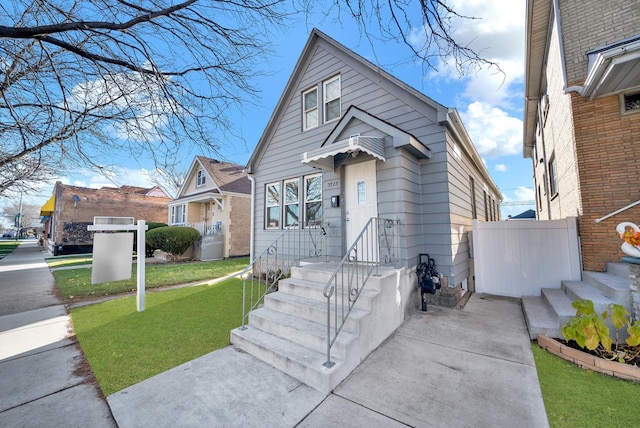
(215, 199)
(71, 209)
(582, 117)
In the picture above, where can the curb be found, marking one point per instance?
(588, 361)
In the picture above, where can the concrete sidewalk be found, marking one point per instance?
(443, 368)
(42, 369)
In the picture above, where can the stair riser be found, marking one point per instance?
(297, 288)
(298, 335)
(307, 312)
(620, 294)
(560, 305)
(323, 276)
(311, 373)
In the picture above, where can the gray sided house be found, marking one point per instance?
(348, 142)
(215, 199)
(342, 121)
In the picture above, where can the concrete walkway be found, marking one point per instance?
(442, 368)
(43, 374)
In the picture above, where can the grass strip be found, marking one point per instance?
(75, 284)
(574, 397)
(125, 347)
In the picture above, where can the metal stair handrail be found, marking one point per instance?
(274, 263)
(365, 254)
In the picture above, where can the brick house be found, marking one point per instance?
(71, 209)
(582, 117)
(215, 199)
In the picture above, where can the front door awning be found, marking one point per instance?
(323, 158)
(49, 206)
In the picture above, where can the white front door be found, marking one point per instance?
(361, 203)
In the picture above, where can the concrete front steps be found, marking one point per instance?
(290, 330)
(547, 313)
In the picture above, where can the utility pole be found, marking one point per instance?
(19, 219)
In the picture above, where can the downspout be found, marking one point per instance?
(575, 88)
(544, 160)
(252, 233)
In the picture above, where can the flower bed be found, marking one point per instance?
(589, 361)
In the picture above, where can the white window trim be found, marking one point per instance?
(327, 101)
(305, 111)
(267, 206)
(305, 178)
(201, 178)
(553, 176)
(182, 213)
(285, 204)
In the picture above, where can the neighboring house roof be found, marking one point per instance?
(229, 177)
(224, 177)
(446, 117)
(154, 192)
(528, 214)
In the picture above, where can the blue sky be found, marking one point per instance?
(490, 103)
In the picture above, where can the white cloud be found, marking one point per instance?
(492, 130)
(501, 168)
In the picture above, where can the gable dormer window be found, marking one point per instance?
(331, 91)
(310, 106)
(201, 178)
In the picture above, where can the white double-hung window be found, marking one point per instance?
(310, 108)
(273, 206)
(178, 214)
(201, 178)
(313, 199)
(291, 202)
(331, 91)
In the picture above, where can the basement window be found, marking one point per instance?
(630, 103)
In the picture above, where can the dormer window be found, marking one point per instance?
(201, 178)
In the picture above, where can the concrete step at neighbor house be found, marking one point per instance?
(583, 290)
(547, 313)
(299, 331)
(559, 303)
(612, 286)
(539, 317)
(618, 269)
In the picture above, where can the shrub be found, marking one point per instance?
(589, 330)
(150, 249)
(174, 240)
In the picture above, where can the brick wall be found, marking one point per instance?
(100, 202)
(239, 225)
(608, 149)
(588, 24)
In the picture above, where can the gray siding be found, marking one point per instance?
(430, 197)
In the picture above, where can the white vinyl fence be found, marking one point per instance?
(519, 257)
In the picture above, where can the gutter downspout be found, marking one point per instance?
(252, 233)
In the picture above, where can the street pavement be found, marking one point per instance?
(470, 367)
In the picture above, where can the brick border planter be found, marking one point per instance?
(588, 361)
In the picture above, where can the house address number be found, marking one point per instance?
(332, 184)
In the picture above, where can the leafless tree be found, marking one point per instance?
(81, 81)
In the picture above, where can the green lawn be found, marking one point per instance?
(574, 397)
(125, 347)
(7, 246)
(75, 284)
